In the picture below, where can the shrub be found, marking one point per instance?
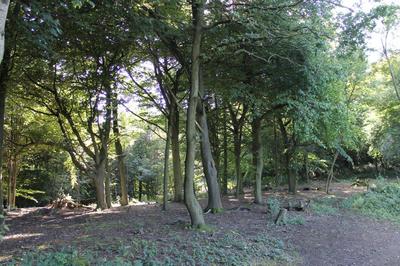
(273, 206)
(325, 206)
(382, 201)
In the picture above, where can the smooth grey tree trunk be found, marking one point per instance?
(176, 158)
(225, 165)
(99, 180)
(166, 164)
(193, 206)
(4, 4)
(210, 171)
(107, 182)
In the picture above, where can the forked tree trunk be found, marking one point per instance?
(99, 180)
(120, 154)
(193, 206)
(209, 169)
(330, 175)
(257, 159)
(288, 152)
(176, 158)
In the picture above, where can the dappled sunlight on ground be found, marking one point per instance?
(21, 236)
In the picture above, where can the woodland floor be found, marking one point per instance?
(339, 238)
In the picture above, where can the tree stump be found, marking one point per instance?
(281, 217)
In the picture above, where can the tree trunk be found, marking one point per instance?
(330, 175)
(225, 147)
(140, 189)
(237, 152)
(5, 54)
(257, 159)
(120, 154)
(193, 206)
(176, 158)
(288, 152)
(133, 187)
(292, 180)
(166, 161)
(209, 169)
(306, 170)
(99, 183)
(107, 182)
(3, 95)
(13, 170)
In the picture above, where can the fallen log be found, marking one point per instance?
(295, 205)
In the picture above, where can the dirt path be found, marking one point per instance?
(338, 239)
(344, 239)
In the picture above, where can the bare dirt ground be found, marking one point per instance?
(342, 238)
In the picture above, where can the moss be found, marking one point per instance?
(203, 228)
(217, 210)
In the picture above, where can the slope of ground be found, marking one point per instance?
(144, 234)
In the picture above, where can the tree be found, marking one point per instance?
(193, 206)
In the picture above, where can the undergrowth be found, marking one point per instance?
(231, 248)
(325, 206)
(381, 201)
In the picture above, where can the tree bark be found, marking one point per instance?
(4, 67)
(140, 189)
(289, 150)
(13, 170)
(237, 143)
(292, 180)
(225, 166)
(2, 113)
(120, 154)
(166, 161)
(330, 175)
(176, 158)
(306, 170)
(257, 158)
(193, 206)
(237, 131)
(210, 171)
(99, 179)
(107, 183)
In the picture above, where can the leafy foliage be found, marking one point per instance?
(382, 201)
